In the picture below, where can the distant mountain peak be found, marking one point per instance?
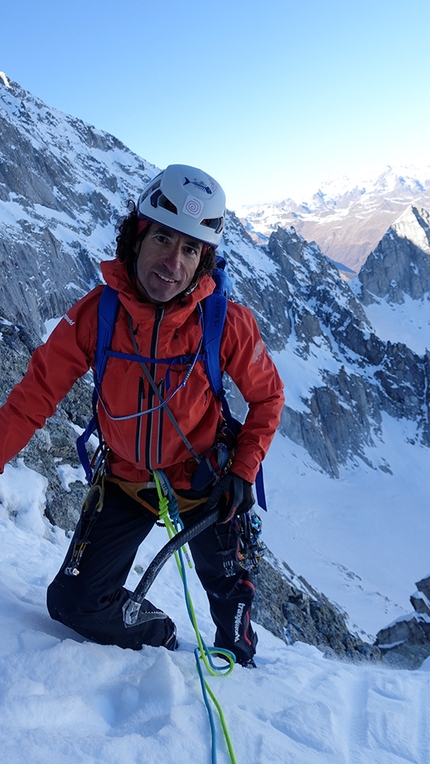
(346, 216)
(414, 224)
(4, 79)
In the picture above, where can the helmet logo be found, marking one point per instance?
(193, 206)
(198, 184)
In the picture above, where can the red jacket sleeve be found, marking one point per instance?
(54, 368)
(250, 367)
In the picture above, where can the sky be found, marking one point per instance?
(270, 98)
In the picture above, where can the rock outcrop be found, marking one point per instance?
(407, 641)
(400, 264)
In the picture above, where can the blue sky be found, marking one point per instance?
(270, 97)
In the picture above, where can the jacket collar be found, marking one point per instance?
(115, 274)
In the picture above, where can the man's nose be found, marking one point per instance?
(173, 257)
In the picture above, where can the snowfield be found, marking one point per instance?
(67, 701)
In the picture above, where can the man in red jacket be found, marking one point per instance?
(165, 254)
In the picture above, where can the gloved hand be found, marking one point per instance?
(233, 495)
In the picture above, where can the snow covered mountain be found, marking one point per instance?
(394, 282)
(63, 185)
(346, 217)
(357, 400)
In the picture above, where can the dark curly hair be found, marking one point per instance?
(126, 246)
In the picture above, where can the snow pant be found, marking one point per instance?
(92, 602)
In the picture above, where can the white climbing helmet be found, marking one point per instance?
(187, 200)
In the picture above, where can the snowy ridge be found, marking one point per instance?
(58, 209)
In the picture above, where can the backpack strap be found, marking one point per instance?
(107, 310)
(214, 314)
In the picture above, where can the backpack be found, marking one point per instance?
(215, 311)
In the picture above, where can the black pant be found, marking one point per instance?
(91, 603)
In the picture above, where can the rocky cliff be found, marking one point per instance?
(358, 375)
(407, 640)
(63, 186)
(400, 264)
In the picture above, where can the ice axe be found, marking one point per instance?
(132, 606)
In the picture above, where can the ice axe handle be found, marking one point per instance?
(172, 546)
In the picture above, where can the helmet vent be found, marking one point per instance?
(217, 224)
(158, 199)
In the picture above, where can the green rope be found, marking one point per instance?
(202, 652)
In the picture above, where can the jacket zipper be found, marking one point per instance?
(152, 370)
(160, 425)
(140, 399)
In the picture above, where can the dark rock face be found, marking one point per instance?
(292, 610)
(407, 641)
(341, 416)
(63, 186)
(53, 446)
(400, 264)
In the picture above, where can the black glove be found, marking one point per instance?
(233, 495)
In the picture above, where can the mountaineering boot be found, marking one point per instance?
(172, 642)
(248, 664)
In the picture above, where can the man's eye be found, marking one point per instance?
(191, 251)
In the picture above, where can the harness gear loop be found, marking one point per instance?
(251, 547)
(91, 509)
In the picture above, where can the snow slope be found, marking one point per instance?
(408, 322)
(64, 700)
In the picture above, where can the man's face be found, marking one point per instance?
(166, 263)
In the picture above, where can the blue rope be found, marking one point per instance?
(207, 704)
(202, 653)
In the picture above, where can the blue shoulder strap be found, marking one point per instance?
(215, 311)
(108, 308)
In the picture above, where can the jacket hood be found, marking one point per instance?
(116, 275)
